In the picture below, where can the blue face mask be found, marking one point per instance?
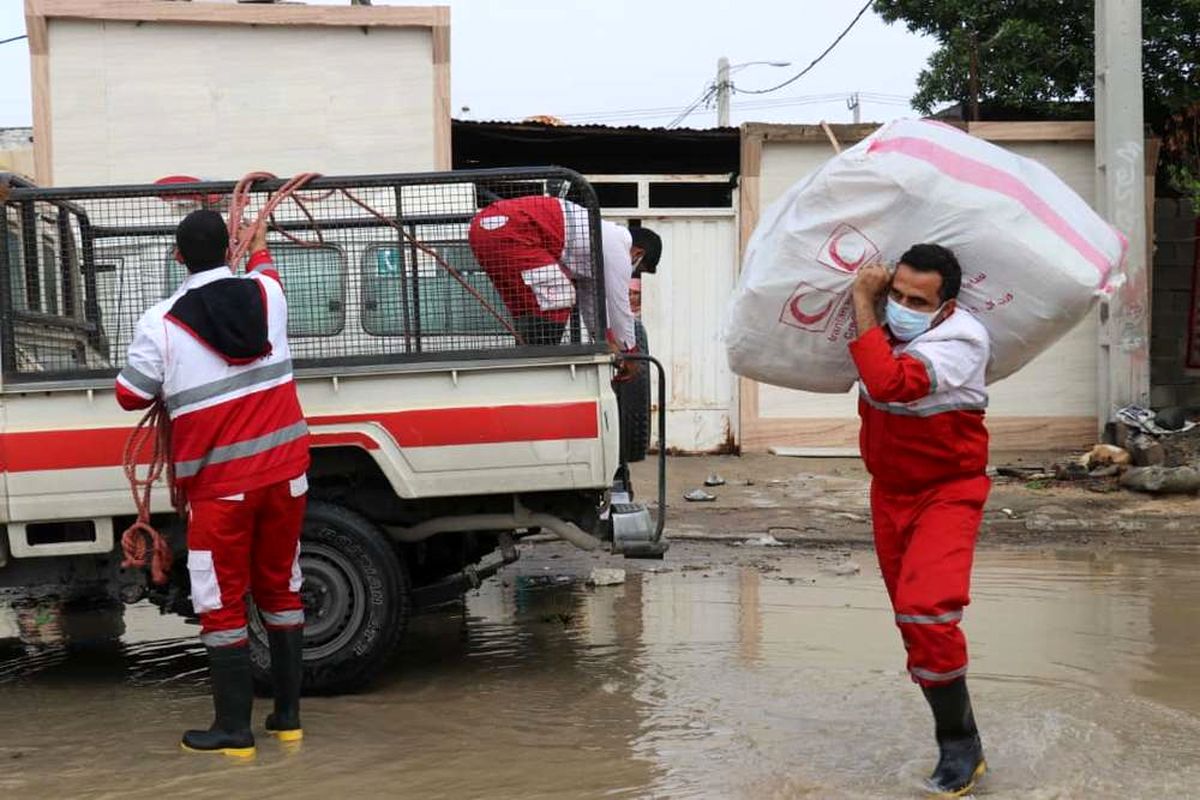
(906, 324)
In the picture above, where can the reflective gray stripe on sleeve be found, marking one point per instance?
(939, 676)
(140, 381)
(250, 447)
(920, 619)
(283, 618)
(224, 638)
(902, 410)
(933, 384)
(226, 385)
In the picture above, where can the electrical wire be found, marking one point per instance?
(660, 112)
(704, 98)
(815, 61)
(14, 39)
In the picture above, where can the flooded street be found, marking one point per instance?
(730, 672)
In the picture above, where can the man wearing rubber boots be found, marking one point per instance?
(216, 354)
(922, 401)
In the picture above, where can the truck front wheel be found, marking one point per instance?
(356, 596)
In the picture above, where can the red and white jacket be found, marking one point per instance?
(922, 404)
(217, 354)
(535, 248)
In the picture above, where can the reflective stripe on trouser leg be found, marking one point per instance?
(275, 572)
(935, 578)
(225, 638)
(219, 538)
(283, 619)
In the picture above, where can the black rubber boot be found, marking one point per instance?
(960, 761)
(233, 697)
(287, 667)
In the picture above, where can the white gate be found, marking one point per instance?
(683, 304)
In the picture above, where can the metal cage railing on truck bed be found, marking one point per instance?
(377, 269)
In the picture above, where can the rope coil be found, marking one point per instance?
(141, 542)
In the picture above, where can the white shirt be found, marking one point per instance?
(615, 243)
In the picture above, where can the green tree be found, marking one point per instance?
(1031, 56)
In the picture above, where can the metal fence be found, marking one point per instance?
(377, 269)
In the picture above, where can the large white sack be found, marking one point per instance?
(1034, 255)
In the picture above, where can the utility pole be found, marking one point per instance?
(724, 89)
(1124, 362)
(855, 104)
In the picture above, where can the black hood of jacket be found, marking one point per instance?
(229, 316)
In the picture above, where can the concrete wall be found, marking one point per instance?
(1174, 261)
(131, 103)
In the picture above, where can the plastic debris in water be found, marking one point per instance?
(602, 576)
(766, 540)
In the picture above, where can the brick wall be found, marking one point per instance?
(1174, 259)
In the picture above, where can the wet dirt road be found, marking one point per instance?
(734, 672)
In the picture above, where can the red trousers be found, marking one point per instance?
(925, 542)
(248, 542)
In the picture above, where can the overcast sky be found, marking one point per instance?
(634, 62)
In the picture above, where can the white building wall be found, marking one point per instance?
(683, 307)
(130, 103)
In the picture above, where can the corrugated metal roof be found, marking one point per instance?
(585, 128)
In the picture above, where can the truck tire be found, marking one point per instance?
(356, 602)
(633, 398)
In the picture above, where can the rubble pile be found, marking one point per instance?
(1152, 452)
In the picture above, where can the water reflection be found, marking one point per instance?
(733, 674)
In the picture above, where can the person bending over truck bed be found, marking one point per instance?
(536, 250)
(216, 355)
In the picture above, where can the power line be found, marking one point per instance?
(816, 60)
(660, 112)
(709, 92)
(14, 39)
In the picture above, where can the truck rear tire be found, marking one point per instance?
(356, 601)
(633, 398)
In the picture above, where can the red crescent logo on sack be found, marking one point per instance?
(847, 249)
(808, 319)
(815, 321)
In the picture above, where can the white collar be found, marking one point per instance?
(195, 280)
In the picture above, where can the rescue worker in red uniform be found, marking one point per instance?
(922, 401)
(216, 354)
(536, 251)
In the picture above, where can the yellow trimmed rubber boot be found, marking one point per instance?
(287, 669)
(960, 753)
(233, 698)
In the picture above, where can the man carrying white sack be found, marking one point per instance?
(922, 401)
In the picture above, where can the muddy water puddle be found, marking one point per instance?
(734, 673)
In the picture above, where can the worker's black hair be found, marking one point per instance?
(935, 258)
(651, 245)
(202, 239)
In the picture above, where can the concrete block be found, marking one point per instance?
(1146, 451)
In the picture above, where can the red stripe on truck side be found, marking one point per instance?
(441, 427)
(29, 451)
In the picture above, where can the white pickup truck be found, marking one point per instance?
(439, 440)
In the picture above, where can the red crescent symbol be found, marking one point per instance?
(809, 319)
(833, 253)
